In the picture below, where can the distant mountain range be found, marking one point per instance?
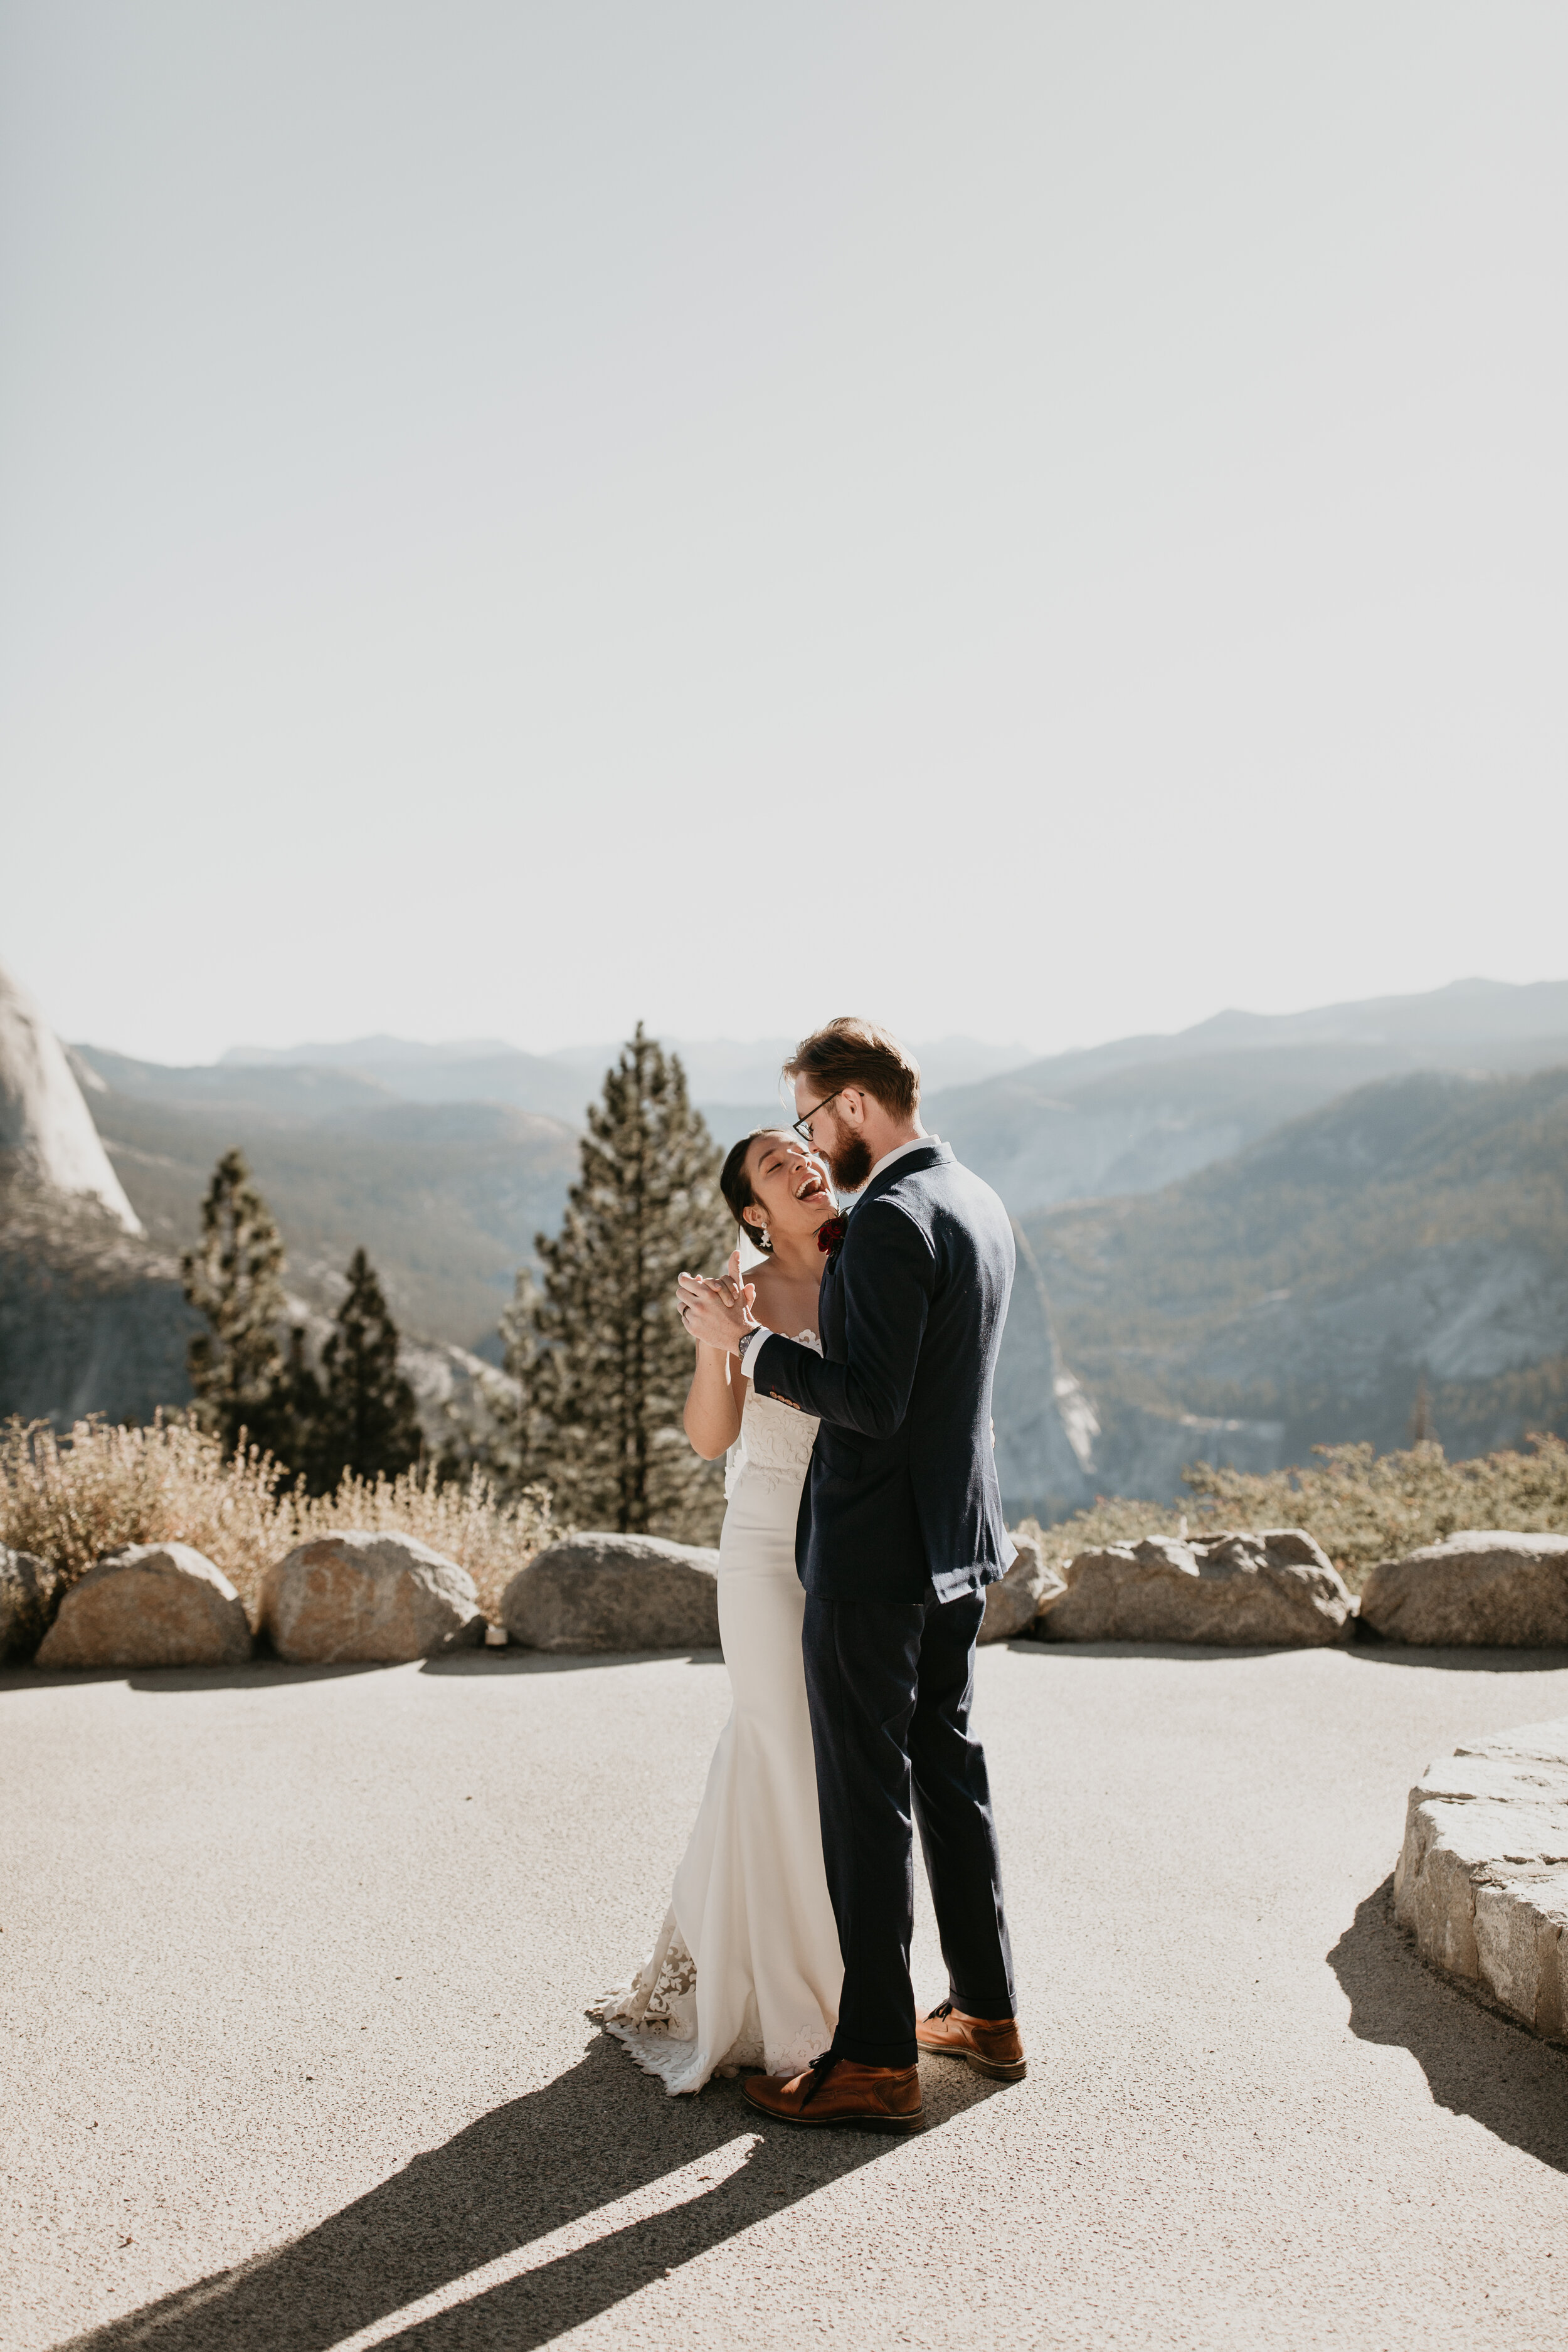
(719, 1074)
(1143, 1112)
(1127, 1116)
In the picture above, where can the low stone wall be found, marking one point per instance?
(370, 1599)
(1482, 1878)
(1484, 1586)
(616, 1592)
(1273, 1586)
(1014, 1603)
(353, 1597)
(385, 1597)
(148, 1605)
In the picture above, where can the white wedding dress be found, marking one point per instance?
(746, 1971)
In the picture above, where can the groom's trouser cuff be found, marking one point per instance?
(952, 1809)
(876, 2053)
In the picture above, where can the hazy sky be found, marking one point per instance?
(1038, 519)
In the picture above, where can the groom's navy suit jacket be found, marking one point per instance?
(901, 1492)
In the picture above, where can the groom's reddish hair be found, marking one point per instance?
(850, 1052)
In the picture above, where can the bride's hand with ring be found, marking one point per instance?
(717, 1314)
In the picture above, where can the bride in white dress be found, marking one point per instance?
(746, 1971)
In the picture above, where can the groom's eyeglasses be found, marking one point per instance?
(803, 1126)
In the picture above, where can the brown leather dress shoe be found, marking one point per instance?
(836, 2094)
(992, 2045)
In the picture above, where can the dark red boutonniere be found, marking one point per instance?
(830, 1235)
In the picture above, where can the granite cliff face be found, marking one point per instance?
(93, 1318)
(92, 1315)
(48, 1139)
(1046, 1426)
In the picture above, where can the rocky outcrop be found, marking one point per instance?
(616, 1592)
(1484, 1586)
(148, 1605)
(366, 1598)
(1482, 1878)
(1142, 1451)
(1255, 1589)
(1045, 1425)
(91, 1319)
(1012, 1604)
(47, 1135)
(25, 1585)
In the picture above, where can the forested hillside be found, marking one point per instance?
(1411, 1235)
(446, 1197)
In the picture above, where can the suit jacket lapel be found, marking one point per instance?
(831, 1312)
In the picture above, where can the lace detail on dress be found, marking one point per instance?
(775, 1442)
(655, 2017)
(677, 1979)
(662, 1996)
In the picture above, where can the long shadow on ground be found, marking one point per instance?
(1365, 1650)
(266, 1672)
(1477, 2062)
(555, 2157)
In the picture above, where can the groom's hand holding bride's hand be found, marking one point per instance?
(719, 1313)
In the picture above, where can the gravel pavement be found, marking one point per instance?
(293, 1966)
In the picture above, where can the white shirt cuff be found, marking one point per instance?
(752, 1348)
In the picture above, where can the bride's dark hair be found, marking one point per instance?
(736, 1187)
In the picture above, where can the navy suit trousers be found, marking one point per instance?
(889, 1685)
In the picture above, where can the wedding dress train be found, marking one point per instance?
(746, 1971)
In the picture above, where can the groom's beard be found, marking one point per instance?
(850, 1160)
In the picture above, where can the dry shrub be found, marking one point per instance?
(1110, 1519)
(70, 1499)
(1362, 1507)
(492, 1540)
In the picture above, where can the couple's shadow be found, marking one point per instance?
(601, 2132)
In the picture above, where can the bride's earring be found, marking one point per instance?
(762, 1241)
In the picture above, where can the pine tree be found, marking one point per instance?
(366, 1422)
(486, 1427)
(298, 1404)
(598, 1347)
(1423, 1429)
(233, 1279)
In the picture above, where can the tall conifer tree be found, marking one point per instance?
(366, 1422)
(599, 1349)
(233, 1279)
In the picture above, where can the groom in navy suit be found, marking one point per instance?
(901, 1530)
